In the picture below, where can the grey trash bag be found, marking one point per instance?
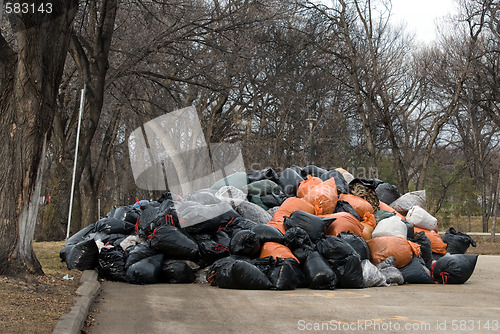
(372, 275)
(404, 203)
(392, 275)
(253, 212)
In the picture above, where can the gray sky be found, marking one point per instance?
(421, 16)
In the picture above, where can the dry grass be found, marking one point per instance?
(35, 304)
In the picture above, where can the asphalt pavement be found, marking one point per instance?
(473, 307)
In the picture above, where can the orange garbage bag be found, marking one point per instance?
(369, 223)
(324, 197)
(359, 205)
(345, 222)
(290, 205)
(437, 244)
(386, 207)
(307, 185)
(276, 250)
(383, 247)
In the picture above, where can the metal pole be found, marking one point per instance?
(82, 105)
(98, 208)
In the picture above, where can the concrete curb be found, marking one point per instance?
(72, 322)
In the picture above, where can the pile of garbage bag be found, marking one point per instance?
(304, 228)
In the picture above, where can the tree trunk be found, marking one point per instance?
(29, 83)
(55, 213)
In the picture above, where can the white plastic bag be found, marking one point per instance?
(390, 227)
(231, 195)
(421, 218)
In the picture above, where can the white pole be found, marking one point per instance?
(98, 208)
(82, 105)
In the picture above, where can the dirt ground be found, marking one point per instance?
(35, 304)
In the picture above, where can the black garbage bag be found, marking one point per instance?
(313, 171)
(127, 213)
(297, 169)
(223, 240)
(382, 214)
(334, 248)
(387, 192)
(220, 270)
(266, 233)
(83, 256)
(289, 181)
(263, 174)
(210, 250)
(165, 196)
(238, 274)
(296, 237)
(454, 268)
(146, 271)
(234, 225)
(110, 239)
(416, 272)
(176, 272)
(149, 212)
(200, 219)
(349, 271)
(340, 182)
(245, 243)
(343, 206)
(168, 212)
(265, 264)
(174, 243)
(392, 274)
(247, 276)
(318, 273)
(273, 200)
(74, 239)
(286, 275)
(313, 225)
(458, 242)
(425, 247)
(301, 253)
(410, 229)
(359, 244)
(138, 252)
(111, 264)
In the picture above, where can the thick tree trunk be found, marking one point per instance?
(28, 90)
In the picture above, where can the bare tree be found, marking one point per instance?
(30, 68)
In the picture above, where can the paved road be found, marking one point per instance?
(473, 307)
